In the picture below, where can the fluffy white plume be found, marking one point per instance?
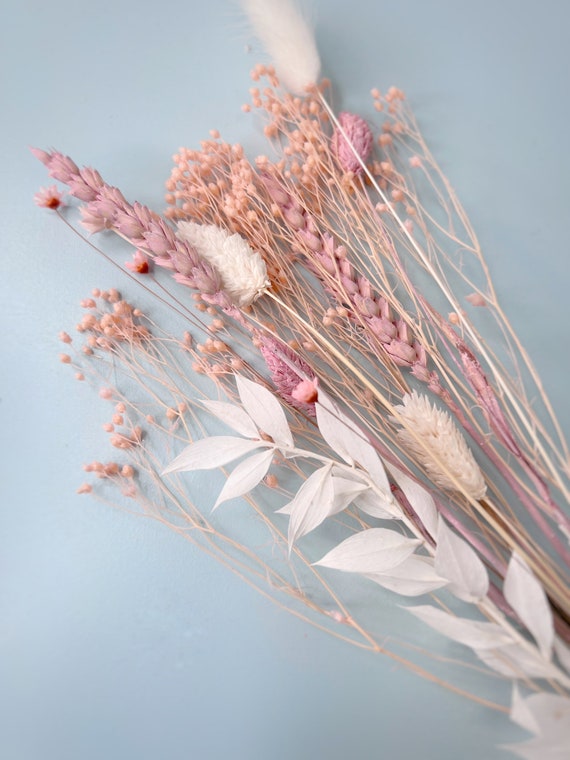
(243, 271)
(442, 443)
(288, 39)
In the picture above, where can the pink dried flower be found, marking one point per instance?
(139, 264)
(306, 392)
(283, 363)
(48, 197)
(358, 139)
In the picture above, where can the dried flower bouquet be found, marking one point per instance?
(336, 286)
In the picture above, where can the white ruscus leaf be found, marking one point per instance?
(375, 505)
(265, 410)
(311, 505)
(421, 501)
(516, 661)
(233, 416)
(472, 633)
(547, 716)
(350, 442)
(209, 453)
(245, 476)
(527, 598)
(562, 652)
(413, 577)
(521, 714)
(370, 551)
(456, 561)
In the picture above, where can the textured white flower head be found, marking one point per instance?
(446, 456)
(242, 270)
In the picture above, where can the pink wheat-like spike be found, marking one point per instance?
(367, 308)
(107, 208)
(357, 137)
(60, 167)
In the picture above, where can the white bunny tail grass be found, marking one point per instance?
(242, 270)
(289, 40)
(443, 452)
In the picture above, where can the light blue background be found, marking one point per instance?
(117, 639)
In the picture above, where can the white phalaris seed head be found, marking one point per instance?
(439, 447)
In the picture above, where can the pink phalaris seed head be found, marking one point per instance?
(127, 471)
(357, 138)
(60, 167)
(48, 197)
(283, 363)
(85, 488)
(86, 184)
(139, 264)
(91, 219)
(64, 337)
(65, 358)
(41, 155)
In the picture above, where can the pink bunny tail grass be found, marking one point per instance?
(353, 140)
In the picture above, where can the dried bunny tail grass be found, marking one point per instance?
(288, 39)
(440, 435)
(241, 269)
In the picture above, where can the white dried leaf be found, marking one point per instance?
(345, 492)
(458, 562)
(233, 416)
(538, 749)
(370, 551)
(312, 504)
(516, 661)
(562, 652)
(265, 410)
(527, 598)
(375, 505)
(245, 476)
(472, 633)
(212, 452)
(547, 716)
(551, 713)
(349, 441)
(521, 713)
(421, 501)
(413, 577)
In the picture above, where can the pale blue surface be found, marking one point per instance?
(117, 639)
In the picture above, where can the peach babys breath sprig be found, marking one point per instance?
(241, 269)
